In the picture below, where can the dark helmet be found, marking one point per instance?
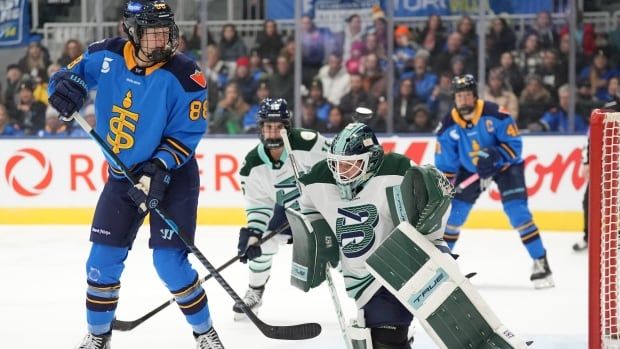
(357, 146)
(465, 82)
(271, 110)
(141, 14)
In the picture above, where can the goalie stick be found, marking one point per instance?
(330, 281)
(120, 325)
(293, 332)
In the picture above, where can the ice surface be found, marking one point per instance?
(43, 289)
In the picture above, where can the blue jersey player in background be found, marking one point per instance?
(151, 108)
(476, 137)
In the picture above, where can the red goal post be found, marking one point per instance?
(603, 226)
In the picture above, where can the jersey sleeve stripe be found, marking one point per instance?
(508, 150)
(180, 147)
(174, 155)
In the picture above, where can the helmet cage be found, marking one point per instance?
(140, 15)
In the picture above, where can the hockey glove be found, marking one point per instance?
(488, 162)
(248, 247)
(70, 92)
(151, 187)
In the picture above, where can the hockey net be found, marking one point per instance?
(604, 221)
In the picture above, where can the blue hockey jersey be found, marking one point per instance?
(143, 113)
(459, 140)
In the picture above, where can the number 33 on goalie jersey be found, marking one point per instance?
(266, 183)
(143, 113)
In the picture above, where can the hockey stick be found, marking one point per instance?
(330, 281)
(120, 325)
(294, 332)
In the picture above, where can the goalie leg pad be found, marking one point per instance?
(431, 286)
(361, 337)
(390, 337)
(314, 246)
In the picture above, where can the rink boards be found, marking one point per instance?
(57, 181)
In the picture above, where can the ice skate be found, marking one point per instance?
(92, 341)
(541, 274)
(208, 340)
(253, 299)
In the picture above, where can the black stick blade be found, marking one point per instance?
(294, 332)
(123, 326)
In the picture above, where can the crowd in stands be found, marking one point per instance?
(527, 75)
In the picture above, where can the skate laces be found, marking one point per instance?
(539, 266)
(210, 340)
(252, 297)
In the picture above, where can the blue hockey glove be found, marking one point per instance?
(488, 162)
(151, 187)
(70, 92)
(248, 247)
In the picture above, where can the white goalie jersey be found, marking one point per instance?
(361, 224)
(266, 183)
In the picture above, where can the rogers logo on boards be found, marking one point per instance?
(12, 170)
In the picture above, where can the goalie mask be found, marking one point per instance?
(354, 157)
(151, 29)
(273, 111)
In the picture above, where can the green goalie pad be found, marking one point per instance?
(422, 198)
(431, 286)
(314, 246)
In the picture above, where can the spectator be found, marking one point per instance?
(534, 101)
(501, 39)
(288, 51)
(184, 49)
(405, 100)
(230, 112)
(467, 28)
(556, 119)
(552, 74)
(30, 116)
(612, 93)
(529, 58)
(357, 97)
(309, 119)
(599, 73)
(379, 121)
(441, 99)
(216, 69)
(334, 79)
(457, 65)
(35, 62)
(249, 120)
(40, 89)
(423, 79)
(372, 46)
(564, 54)
(54, 127)
(72, 50)
(497, 92)
(247, 85)
(312, 49)
(231, 45)
(269, 41)
(433, 35)
(321, 105)
(543, 29)
(513, 79)
(584, 35)
(257, 71)
(336, 121)
(14, 77)
(454, 46)
(194, 42)
(354, 63)
(91, 119)
(6, 129)
(282, 82)
(379, 27)
(352, 35)
(375, 81)
(404, 48)
(421, 121)
(586, 102)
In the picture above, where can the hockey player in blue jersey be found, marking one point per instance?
(476, 137)
(151, 108)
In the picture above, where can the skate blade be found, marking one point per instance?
(544, 283)
(242, 316)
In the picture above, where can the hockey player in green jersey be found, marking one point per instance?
(387, 216)
(268, 187)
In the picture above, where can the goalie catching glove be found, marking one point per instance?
(151, 187)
